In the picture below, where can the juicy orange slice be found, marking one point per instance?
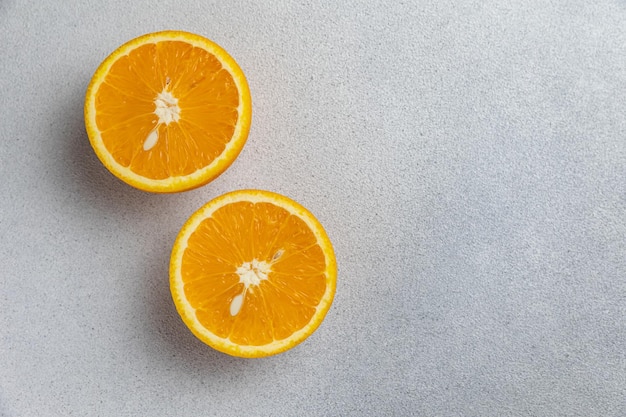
(168, 111)
(252, 273)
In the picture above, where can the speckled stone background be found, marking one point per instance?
(467, 158)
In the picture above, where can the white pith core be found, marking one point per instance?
(166, 108)
(250, 275)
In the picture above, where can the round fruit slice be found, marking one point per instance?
(168, 111)
(252, 273)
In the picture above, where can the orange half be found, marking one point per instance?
(168, 111)
(252, 273)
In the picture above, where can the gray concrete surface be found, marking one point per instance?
(467, 158)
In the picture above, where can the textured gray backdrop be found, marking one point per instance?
(467, 158)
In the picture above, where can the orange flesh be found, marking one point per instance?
(277, 307)
(207, 97)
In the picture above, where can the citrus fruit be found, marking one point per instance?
(252, 273)
(168, 111)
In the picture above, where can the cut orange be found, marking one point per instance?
(252, 273)
(168, 111)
